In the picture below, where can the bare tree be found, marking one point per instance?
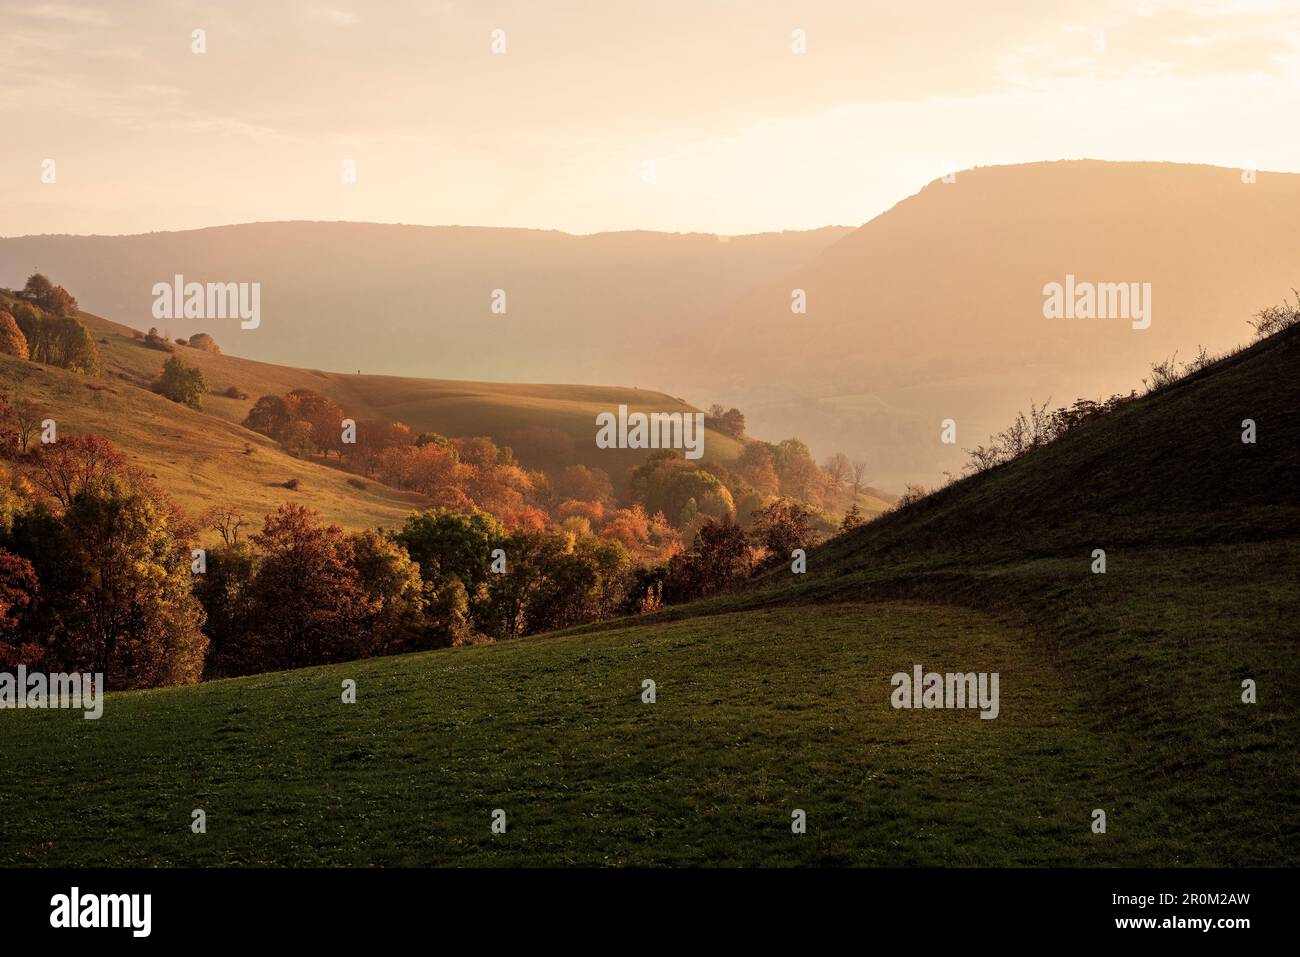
(837, 469)
(859, 477)
(226, 521)
(27, 421)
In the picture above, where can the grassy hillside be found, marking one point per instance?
(450, 407)
(1118, 691)
(206, 457)
(202, 460)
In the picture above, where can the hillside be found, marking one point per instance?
(453, 408)
(956, 270)
(1120, 692)
(206, 457)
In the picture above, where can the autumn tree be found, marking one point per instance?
(756, 466)
(75, 463)
(308, 604)
(270, 415)
(781, 528)
(12, 340)
(18, 589)
(114, 567)
(323, 415)
(719, 559)
(48, 297)
(26, 417)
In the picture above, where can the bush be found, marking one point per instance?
(1274, 319)
(181, 383)
(204, 342)
(153, 340)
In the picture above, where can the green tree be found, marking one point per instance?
(181, 383)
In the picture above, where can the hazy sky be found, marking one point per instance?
(744, 133)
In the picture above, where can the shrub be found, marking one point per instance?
(181, 383)
(153, 340)
(1274, 319)
(204, 342)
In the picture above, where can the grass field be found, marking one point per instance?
(791, 712)
(1119, 691)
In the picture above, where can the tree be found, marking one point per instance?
(585, 483)
(677, 488)
(719, 559)
(391, 580)
(859, 477)
(732, 423)
(781, 528)
(307, 602)
(270, 415)
(756, 466)
(323, 414)
(18, 589)
(12, 340)
(522, 600)
(852, 519)
(181, 383)
(59, 340)
(75, 463)
(204, 342)
(226, 521)
(38, 289)
(156, 340)
(223, 591)
(449, 545)
(115, 571)
(837, 469)
(26, 416)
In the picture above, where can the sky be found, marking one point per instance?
(729, 116)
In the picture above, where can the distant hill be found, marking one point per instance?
(416, 300)
(932, 310)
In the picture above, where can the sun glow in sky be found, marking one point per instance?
(562, 130)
